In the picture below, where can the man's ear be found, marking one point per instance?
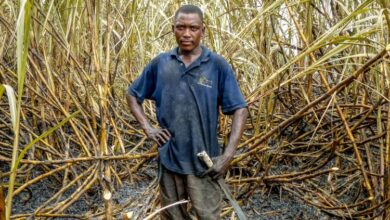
(173, 28)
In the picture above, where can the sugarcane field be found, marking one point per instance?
(224, 109)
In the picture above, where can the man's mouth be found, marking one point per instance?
(186, 42)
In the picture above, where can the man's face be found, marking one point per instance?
(188, 30)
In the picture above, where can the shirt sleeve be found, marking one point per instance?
(144, 86)
(230, 95)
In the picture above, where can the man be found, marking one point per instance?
(188, 85)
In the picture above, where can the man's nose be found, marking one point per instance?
(187, 32)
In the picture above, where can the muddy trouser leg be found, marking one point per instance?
(206, 197)
(172, 189)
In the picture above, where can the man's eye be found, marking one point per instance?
(194, 28)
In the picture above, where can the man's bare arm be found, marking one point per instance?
(222, 162)
(238, 126)
(159, 135)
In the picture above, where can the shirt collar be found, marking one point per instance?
(204, 57)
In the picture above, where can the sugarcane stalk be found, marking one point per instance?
(2, 204)
(387, 161)
(127, 216)
(341, 114)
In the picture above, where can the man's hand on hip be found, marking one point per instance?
(159, 135)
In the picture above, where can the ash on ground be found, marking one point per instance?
(277, 204)
(137, 195)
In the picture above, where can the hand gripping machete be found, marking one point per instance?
(206, 159)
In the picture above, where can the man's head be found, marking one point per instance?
(190, 9)
(188, 27)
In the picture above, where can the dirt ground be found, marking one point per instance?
(273, 204)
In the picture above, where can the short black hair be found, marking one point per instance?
(189, 9)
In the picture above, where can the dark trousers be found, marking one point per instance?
(204, 193)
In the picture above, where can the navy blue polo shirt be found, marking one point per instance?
(187, 104)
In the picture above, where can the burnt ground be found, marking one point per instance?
(281, 205)
(273, 204)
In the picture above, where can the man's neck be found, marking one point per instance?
(190, 56)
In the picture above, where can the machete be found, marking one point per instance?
(206, 159)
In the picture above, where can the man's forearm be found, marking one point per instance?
(159, 135)
(222, 162)
(138, 112)
(238, 126)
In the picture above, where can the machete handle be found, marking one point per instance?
(205, 158)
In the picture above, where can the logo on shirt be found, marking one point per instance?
(203, 81)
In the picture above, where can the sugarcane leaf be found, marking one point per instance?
(43, 135)
(11, 101)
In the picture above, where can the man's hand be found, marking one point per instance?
(220, 165)
(222, 162)
(159, 135)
